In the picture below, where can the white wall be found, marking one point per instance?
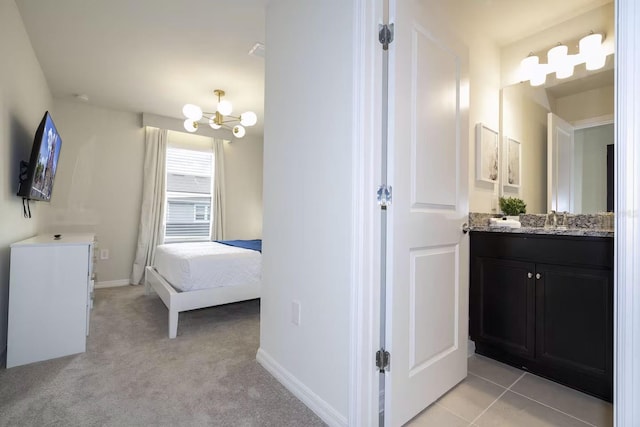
(593, 143)
(307, 199)
(98, 185)
(24, 97)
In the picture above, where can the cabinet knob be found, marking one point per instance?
(465, 228)
(529, 275)
(538, 276)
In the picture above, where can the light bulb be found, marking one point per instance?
(238, 131)
(224, 107)
(557, 55)
(592, 52)
(213, 124)
(539, 76)
(590, 43)
(192, 111)
(248, 119)
(564, 70)
(595, 62)
(528, 67)
(190, 125)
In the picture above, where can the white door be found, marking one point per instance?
(428, 254)
(560, 168)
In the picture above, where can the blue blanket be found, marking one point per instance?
(254, 245)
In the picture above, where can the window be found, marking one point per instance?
(189, 188)
(201, 212)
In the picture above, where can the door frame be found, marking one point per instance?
(627, 216)
(365, 240)
(364, 328)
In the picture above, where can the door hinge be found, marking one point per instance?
(384, 195)
(385, 35)
(383, 359)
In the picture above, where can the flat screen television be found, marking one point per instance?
(36, 177)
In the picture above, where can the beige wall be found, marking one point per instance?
(99, 181)
(243, 189)
(24, 97)
(484, 107)
(526, 121)
(586, 105)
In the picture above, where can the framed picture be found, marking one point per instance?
(513, 164)
(487, 154)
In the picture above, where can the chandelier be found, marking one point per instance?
(560, 62)
(221, 118)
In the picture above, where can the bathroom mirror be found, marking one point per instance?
(570, 173)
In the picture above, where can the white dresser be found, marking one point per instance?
(50, 297)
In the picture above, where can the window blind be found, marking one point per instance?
(189, 188)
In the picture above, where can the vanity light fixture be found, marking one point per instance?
(221, 118)
(560, 62)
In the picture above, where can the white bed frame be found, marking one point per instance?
(177, 301)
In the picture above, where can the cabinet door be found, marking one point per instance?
(574, 319)
(503, 304)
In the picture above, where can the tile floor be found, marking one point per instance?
(495, 394)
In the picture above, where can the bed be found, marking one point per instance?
(188, 276)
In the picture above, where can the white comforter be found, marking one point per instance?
(202, 265)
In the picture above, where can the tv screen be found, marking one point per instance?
(37, 182)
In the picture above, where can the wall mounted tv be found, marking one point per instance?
(36, 176)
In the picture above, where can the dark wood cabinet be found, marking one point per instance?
(545, 303)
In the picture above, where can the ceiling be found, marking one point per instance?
(150, 56)
(154, 56)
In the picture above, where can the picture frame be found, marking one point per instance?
(487, 154)
(513, 163)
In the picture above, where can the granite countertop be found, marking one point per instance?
(542, 230)
(593, 225)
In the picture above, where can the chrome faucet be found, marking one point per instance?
(551, 220)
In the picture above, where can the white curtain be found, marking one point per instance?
(217, 228)
(151, 228)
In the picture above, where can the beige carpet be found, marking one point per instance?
(133, 375)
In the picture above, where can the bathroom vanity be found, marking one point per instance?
(542, 300)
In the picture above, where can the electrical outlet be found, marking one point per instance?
(104, 253)
(295, 313)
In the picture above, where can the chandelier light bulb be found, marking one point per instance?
(213, 124)
(193, 112)
(238, 131)
(224, 107)
(248, 119)
(190, 125)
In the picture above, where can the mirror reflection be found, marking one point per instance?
(556, 114)
(566, 135)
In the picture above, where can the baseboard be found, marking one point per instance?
(322, 409)
(112, 283)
